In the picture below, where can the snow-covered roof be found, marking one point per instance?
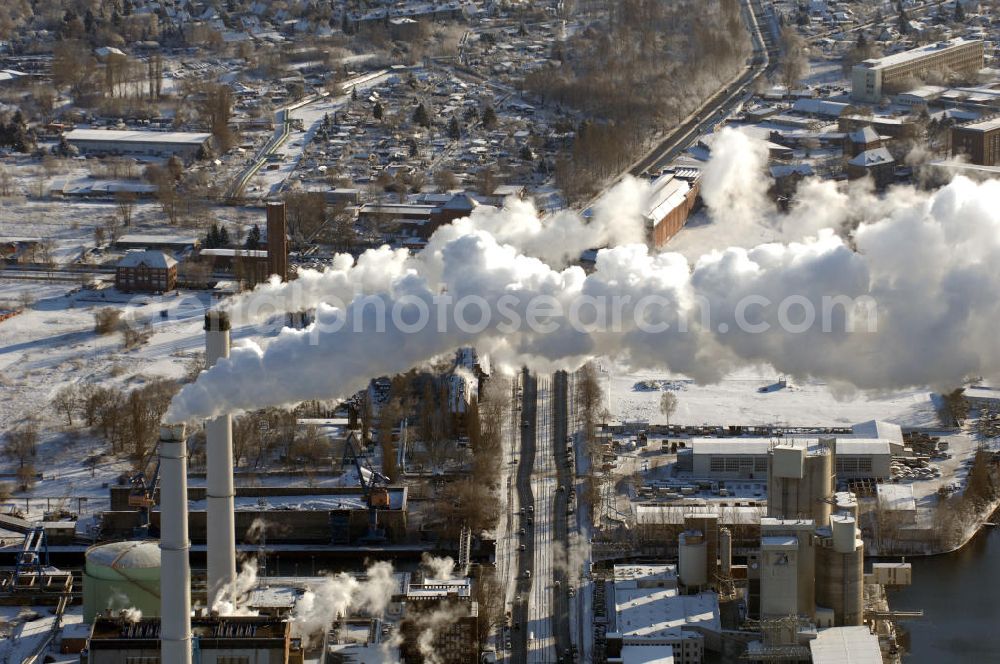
(897, 497)
(837, 645)
(864, 135)
(132, 554)
(872, 157)
(854, 446)
(916, 53)
(138, 136)
(150, 258)
(648, 605)
(878, 429)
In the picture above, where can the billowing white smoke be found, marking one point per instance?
(733, 184)
(916, 282)
(441, 569)
(233, 598)
(131, 614)
(335, 595)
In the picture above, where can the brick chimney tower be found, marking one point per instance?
(277, 240)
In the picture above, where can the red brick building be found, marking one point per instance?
(146, 272)
(669, 204)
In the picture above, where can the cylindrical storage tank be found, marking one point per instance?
(846, 503)
(122, 575)
(725, 552)
(822, 482)
(692, 559)
(844, 533)
(840, 584)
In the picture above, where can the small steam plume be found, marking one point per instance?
(431, 624)
(233, 597)
(131, 614)
(907, 298)
(337, 594)
(437, 568)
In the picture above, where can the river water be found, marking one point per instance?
(960, 596)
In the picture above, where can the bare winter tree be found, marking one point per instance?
(668, 405)
(125, 202)
(794, 59)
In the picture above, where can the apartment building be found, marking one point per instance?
(873, 78)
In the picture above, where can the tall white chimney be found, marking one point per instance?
(175, 578)
(219, 454)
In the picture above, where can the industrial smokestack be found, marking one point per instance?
(175, 580)
(219, 454)
(277, 240)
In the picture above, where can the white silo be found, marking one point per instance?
(692, 559)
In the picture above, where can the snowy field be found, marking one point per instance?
(737, 401)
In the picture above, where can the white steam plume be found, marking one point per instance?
(436, 568)
(733, 185)
(431, 624)
(916, 282)
(232, 601)
(335, 595)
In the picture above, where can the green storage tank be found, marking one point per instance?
(122, 575)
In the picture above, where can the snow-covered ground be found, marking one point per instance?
(737, 401)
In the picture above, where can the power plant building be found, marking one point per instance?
(876, 77)
(228, 640)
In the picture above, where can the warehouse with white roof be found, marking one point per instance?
(184, 144)
(651, 613)
(747, 458)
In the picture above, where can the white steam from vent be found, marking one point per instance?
(439, 569)
(232, 600)
(915, 282)
(335, 595)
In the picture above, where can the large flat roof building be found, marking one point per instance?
(138, 142)
(873, 78)
(747, 458)
(650, 612)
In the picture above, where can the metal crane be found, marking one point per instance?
(143, 494)
(373, 485)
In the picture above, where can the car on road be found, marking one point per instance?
(521, 548)
(531, 508)
(562, 488)
(521, 532)
(530, 521)
(527, 573)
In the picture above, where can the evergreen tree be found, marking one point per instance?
(354, 93)
(904, 21)
(414, 151)
(454, 129)
(223, 237)
(489, 117)
(253, 237)
(377, 111)
(421, 116)
(959, 12)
